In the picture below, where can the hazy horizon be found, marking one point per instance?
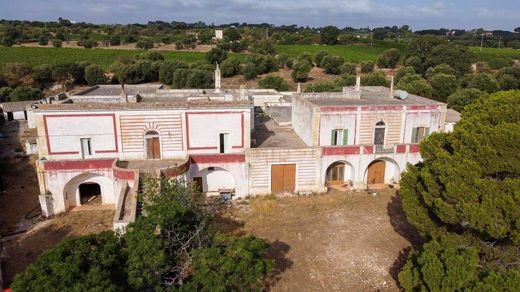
(419, 15)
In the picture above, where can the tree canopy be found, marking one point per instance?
(464, 196)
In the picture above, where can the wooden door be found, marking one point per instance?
(198, 183)
(376, 172)
(283, 178)
(336, 175)
(153, 148)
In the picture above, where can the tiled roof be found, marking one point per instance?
(16, 106)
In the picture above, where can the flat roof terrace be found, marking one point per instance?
(370, 95)
(268, 134)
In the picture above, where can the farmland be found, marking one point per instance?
(103, 57)
(494, 55)
(351, 53)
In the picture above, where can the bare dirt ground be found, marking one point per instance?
(339, 241)
(158, 46)
(316, 74)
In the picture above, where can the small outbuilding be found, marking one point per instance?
(16, 110)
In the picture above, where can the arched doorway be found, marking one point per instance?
(376, 172)
(383, 170)
(90, 193)
(214, 180)
(339, 173)
(88, 188)
(153, 145)
(379, 133)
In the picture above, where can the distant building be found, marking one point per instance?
(219, 34)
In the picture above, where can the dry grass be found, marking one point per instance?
(338, 241)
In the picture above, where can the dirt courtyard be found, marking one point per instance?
(334, 242)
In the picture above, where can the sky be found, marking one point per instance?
(419, 14)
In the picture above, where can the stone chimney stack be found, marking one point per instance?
(358, 82)
(391, 86)
(124, 96)
(217, 79)
(242, 92)
(299, 88)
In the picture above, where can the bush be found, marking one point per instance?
(43, 40)
(180, 78)
(237, 46)
(483, 67)
(389, 58)
(263, 48)
(230, 67)
(144, 44)
(151, 56)
(94, 75)
(216, 55)
(167, 70)
(22, 93)
(508, 82)
(403, 71)
(115, 40)
(442, 68)
(346, 80)
(319, 57)
(274, 82)
(306, 56)
(332, 64)
(367, 67)
(348, 68)
(200, 79)
(282, 60)
(301, 71)
(462, 97)
(484, 82)
(415, 84)
(249, 71)
(57, 43)
(4, 93)
(17, 74)
(443, 86)
(88, 43)
(42, 75)
(322, 86)
(416, 63)
(374, 79)
(91, 263)
(230, 264)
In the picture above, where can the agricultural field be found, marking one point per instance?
(351, 53)
(496, 56)
(103, 57)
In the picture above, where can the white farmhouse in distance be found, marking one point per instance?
(219, 34)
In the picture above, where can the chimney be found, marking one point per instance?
(242, 92)
(358, 82)
(392, 86)
(299, 88)
(124, 97)
(217, 79)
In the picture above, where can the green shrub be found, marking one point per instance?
(115, 40)
(374, 79)
(367, 67)
(389, 58)
(94, 75)
(230, 67)
(144, 44)
(443, 86)
(57, 43)
(319, 57)
(301, 71)
(22, 93)
(249, 71)
(415, 84)
(274, 82)
(168, 68)
(332, 64)
(322, 86)
(216, 55)
(348, 68)
(484, 82)
(462, 97)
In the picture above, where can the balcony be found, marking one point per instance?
(381, 149)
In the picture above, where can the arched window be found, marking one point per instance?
(379, 133)
(153, 144)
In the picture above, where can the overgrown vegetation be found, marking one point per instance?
(173, 247)
(462, 198)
